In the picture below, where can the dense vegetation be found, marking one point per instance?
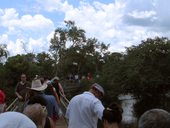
(143, 70)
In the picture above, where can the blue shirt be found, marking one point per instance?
(52, 106)
(84, 110)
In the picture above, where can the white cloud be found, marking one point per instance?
(15, 47)
(4, 39)
(10, 19)
(142, 14)
(26, 33)
(55, 5)
(37, 45)
(50, 36)
(99, 20)
(121, 23)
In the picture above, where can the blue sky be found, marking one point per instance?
(120, 23)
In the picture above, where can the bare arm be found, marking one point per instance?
(54, 93)
(18, 95)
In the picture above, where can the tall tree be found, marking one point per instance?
(87, 53)
(148, 72)
(46, 64)
(69, 35)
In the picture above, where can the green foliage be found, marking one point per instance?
(46, 65)
(149, 69)
(83, 54)
(112, 75)
(143, 71)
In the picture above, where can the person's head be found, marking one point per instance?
(97, 90)
(23, 77)
(37, 113)
(112, 116)
(154, 118)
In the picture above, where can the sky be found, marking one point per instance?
(28, 25)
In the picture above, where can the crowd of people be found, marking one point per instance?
(39, 107)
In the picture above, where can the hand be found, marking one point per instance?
(20, 98)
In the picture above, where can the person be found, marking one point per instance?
(37, 88)
(58, 87)
(21, 91)
(37, 113)
(2, 101)
(154, 118)
(15, 120)
(85, 109)
(50, 90)
(21, 88)
(41, 100)
(112, 116)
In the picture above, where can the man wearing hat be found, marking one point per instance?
(37, 88)
(85, 109)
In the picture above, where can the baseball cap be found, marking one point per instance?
(98, 87)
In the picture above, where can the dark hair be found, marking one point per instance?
(37, 99)
(113, 113)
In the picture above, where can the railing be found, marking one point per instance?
(63, 106)
(64, 103)
(13, 106)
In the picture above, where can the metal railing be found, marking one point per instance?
(63, 106)
(64, 103)
(13, 106)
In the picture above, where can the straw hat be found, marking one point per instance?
(37, 86)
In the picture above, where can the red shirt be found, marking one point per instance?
(2, 97)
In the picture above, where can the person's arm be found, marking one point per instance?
(19, 96)
(17, 93)
(98, 108)
(54, 93)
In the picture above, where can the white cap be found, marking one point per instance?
(98, 87)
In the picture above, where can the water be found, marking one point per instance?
(127, 104)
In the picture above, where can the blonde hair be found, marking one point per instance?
(37, 113)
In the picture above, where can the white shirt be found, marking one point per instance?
(84, 110)
(15, 120)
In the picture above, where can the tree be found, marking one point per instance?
(148, 72)
(87, 53)
(16, 65)
(46, 64)
(62, 36)
(112, 76)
